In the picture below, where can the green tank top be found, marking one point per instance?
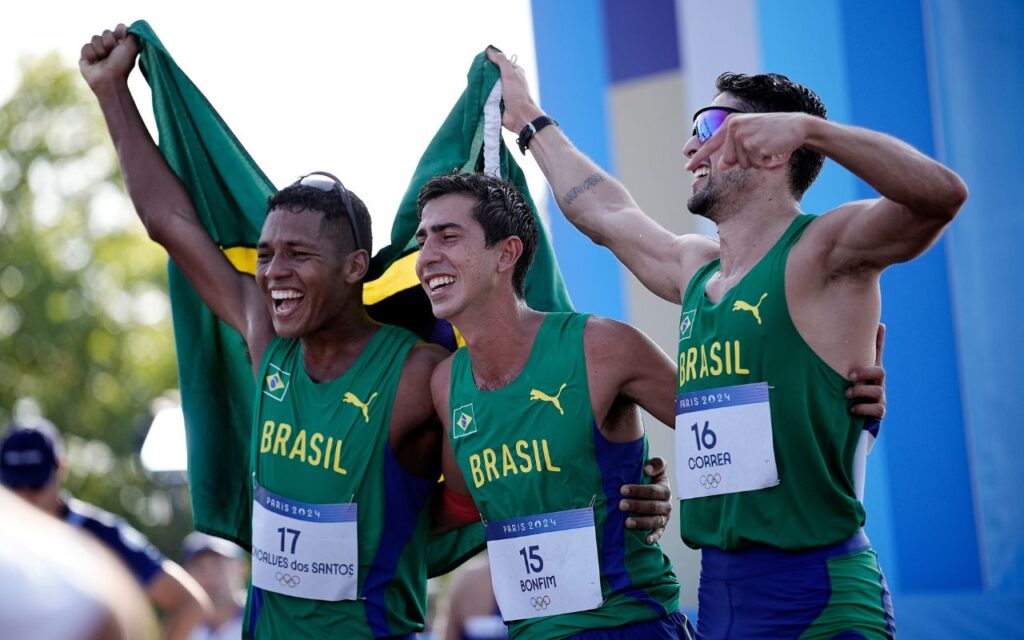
(328, 443)
(748, 337)
(533, 447)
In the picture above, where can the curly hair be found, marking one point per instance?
(297, 197)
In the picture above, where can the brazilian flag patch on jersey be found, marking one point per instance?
(463, 421)
(229, 192)
(276, 384)
(686, 325)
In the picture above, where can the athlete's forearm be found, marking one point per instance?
(892, 167)
(585, 193)
(593, 201)
(155, 190)
(166, 209)
(600, 206)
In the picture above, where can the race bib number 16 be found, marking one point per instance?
(724, 441)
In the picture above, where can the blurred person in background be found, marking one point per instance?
(58, 583)
(217, 566)
(31, 466)
(472, 610)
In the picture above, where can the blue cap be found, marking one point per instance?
(29, 455)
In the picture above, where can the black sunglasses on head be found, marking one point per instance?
(327, 182)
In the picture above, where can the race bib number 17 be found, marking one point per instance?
(304, 550)
(724, 441)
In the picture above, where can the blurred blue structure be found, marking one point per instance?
(944, 506)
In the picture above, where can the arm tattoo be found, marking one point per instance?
(592, 180)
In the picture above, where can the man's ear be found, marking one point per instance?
(510, 249)
(357, 264)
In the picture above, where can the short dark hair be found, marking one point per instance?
(774, 92)
(297, 197)
(501, 210)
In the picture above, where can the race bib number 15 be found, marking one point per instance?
(544, 565)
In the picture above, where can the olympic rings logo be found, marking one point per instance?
(288, 579)
(540, 603)
(711, 481)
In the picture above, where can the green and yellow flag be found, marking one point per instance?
(229, 193)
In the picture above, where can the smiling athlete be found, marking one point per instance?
(345, 444)
(774, 318)
(542, 422)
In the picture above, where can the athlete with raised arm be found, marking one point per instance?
(777, 319)
(346, 446)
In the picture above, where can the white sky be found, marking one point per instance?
(357, 88)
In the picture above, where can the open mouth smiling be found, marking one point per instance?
(285, 300)
(437, 283)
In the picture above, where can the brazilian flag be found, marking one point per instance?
(229, 193)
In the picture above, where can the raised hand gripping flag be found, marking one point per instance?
(229, 192)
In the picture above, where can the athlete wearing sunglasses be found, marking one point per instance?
(709, 119)
(777, 317)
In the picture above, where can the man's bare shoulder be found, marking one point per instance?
(600, 329)
(414, 403)
(423, 358)
(835, 220)
(418, 371)
(607, 338)
(694, 250)
(702, 246)
(442, 370)
(810, 258)
(440, 381)
(415, 433)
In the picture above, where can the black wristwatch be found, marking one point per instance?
(530, 129)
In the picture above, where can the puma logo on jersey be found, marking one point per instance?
(537, 394)
(351, 398)
(740, 305)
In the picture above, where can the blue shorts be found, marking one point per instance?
(836, 591)
(671, 627)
